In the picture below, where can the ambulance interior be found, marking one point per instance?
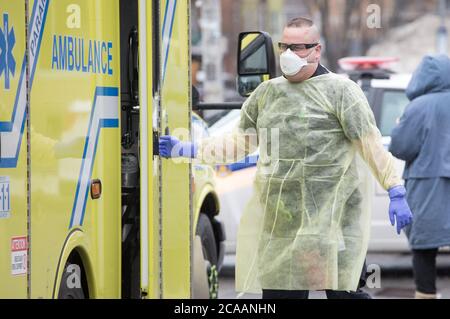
(130, 149)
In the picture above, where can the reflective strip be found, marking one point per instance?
(11, 132)
(167, 28)
(104, 114)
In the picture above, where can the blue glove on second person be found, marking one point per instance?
(399, 211)
(171, 147)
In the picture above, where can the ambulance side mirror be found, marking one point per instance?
(256, 61)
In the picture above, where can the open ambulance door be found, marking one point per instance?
(166, 200)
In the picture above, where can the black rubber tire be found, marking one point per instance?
(206, 233)
(70, 293)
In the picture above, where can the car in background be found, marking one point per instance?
(386, 94)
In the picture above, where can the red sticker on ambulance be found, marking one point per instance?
(19, 256)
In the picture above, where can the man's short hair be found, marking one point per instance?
(300, 23)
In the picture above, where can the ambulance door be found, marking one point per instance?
(13, 150)
(174, 118)
(166, 205)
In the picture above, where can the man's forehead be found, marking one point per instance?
(300, 35)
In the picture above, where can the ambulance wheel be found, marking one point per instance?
(73, 282)
(206, 233)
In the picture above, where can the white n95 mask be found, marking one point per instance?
(291, 63)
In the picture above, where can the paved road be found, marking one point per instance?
(391, 288)
(396, 281)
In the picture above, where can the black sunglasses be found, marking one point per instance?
(296, 47)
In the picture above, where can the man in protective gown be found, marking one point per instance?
(308, 224)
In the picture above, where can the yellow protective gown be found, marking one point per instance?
(308, 223)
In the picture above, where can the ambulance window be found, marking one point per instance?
(393, 105)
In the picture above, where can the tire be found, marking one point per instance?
(72, 287)
(209, 246)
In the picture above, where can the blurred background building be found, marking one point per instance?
(408, 29)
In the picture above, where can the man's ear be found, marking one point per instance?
(318, 52)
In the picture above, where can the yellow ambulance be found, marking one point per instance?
(88, 209)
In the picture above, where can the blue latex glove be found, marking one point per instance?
(171, 147)
(399, 211)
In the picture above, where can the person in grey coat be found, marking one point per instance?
(422, 140)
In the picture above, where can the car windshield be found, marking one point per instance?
(393, 105)
(199, 129)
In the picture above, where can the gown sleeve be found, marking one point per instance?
(359, 125)
(241, 142)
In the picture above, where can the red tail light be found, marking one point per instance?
(366, 63)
